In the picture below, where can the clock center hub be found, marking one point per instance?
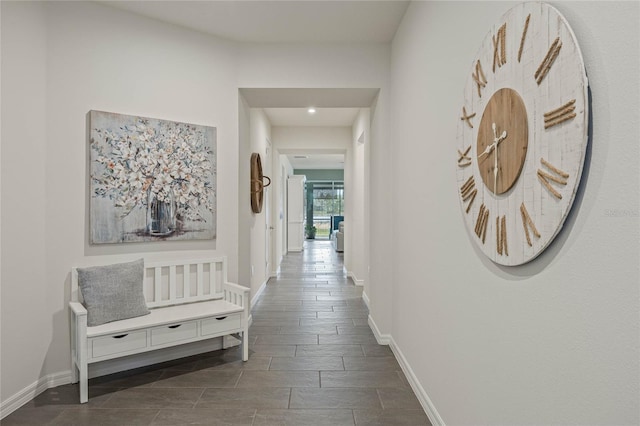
(502, 140)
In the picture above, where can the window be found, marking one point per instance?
(325, 199)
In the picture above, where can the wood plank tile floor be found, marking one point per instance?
(312, 361)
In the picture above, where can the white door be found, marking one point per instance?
(295, 212)
(283, 208)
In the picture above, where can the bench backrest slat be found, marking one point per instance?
(199, 278)
(212, 277)
(187, 276)
(174, 282)
(157, 287)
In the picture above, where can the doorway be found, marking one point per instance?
(325, 206)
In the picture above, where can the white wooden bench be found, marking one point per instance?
(189, 300)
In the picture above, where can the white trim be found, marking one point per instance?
(424, 399)
(27, 394)
(365, 298)
(383, 339)
(256, 296)
(356, 281)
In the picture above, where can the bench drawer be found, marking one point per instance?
(174, 333)
(118, 343)
(220, 324)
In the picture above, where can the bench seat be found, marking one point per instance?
(167, 315)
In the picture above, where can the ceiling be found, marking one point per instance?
(334, 108)
(265, 21)
(323, 117)
(317, 161)
(288, 106)
(297, 21)
(306, 97)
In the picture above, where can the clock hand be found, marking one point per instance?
(495, 144)
(495, 167)
(487, 150)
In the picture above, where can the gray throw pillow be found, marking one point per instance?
(113, 292)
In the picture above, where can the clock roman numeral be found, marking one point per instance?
(548, 60)
(528, 223)
(524, 35)
(560, 177)
(467, 117)
(481, 222)
(500, 47)
(468, 191)
(560, 115)
(479, 78)
(501, 235)
(463, 157)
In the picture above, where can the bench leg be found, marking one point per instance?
(84, 383)
(245, 345)
(74, 372)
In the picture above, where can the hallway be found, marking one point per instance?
(313, 361)
(312, 321)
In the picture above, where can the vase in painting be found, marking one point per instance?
(161, 214)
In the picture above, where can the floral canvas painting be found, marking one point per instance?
(151, 180)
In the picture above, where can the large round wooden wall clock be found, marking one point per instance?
(522, 134)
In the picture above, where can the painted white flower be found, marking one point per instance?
(170, 160)
(136, 179)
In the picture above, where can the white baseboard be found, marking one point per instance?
(256, 296)
(16, 401)
(356, 281)
(383, 339)
(424, 399)
(421, 394)
(365, 298)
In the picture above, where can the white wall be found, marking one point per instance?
(268, 65)
(61, 60)
(356, 223)
(292, 140)
(281, 169)
(244, 206)
(554, 341)
(381, 220)
(25, 293)
(260, 134)
(254, 130)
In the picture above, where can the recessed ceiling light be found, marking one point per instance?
(311, 110)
